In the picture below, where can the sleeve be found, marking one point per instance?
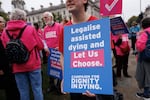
(125, 43)
(40, 33)
(45, 45)
(141, 42)
(31, 39)
(118, 42)
(38, 39)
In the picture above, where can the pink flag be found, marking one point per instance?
(110, 7)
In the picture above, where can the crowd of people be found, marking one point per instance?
(16, 78)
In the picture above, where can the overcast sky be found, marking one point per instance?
(130, 7)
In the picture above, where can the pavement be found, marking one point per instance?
(128, 86)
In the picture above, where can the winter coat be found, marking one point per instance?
(30, 39)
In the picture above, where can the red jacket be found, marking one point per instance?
(141, 41)
(51, 35)
(30, 39)
(125, 42)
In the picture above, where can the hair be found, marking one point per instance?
(145, 23)
(49, 14)
(18, 14)
(86, 6)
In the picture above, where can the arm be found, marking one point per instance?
(141, 42)
(119, 41)
(46, 49)
(40, 44)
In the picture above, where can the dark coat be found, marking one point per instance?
(7, 81)
(4, 66)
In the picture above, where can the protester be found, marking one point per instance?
(114, 59)
(52, 30)
(77, 17)
(134, 29)
(28, 73)
(7, 78)
(38, 29)
(120, 42)
(40, 33)
(143, 66)
(78, 10)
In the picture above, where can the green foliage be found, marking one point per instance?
(57, 17)
(3, 14)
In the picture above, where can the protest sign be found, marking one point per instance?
(54, 67)
(118, 26)
(87, 57)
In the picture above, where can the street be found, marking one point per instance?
(128, 86)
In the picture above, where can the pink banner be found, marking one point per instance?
(110, 7)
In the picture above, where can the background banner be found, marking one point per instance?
(118, 26)
(54, 68)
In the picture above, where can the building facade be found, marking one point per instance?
(35, 15)
(18, 4)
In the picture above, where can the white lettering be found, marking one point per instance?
(83, 37)
(79, 64)
(87, 28)
(77, 46)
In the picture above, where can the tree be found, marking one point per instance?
(4, 15)
(57, 17)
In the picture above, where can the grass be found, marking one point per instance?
(53, 95)
(47, 96)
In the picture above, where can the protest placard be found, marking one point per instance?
(54, 67)
(110, 7)
(118, 26)
(87, 57)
